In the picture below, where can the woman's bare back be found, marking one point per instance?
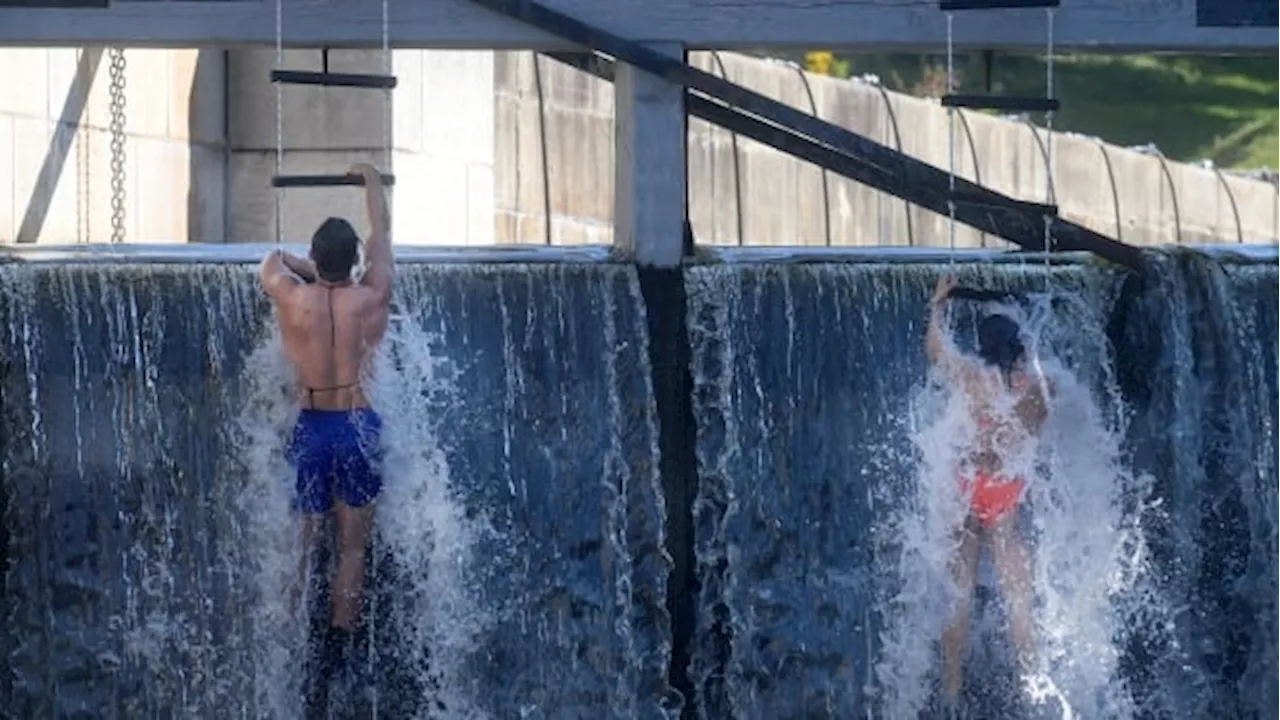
(1007, 414)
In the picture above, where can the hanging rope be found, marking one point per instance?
(83, 212)
(388, 118)
(276, 199)
(118, 173)
(1049, 194)
(951, 144)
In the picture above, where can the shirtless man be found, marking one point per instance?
(330, 326)
(1009, 408)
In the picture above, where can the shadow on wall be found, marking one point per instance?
(55, 158)
(206, 192)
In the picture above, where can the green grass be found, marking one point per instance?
(1191, 107)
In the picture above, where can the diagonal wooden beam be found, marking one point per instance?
(895, 173)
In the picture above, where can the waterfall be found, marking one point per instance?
(824, 517)
(520, 561)
(1197, 348)
(518, 568)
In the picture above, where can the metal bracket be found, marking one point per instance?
(950, 5)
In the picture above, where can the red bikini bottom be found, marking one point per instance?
(992, 496)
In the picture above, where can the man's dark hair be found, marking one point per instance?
(335, 247)
(1000, 341)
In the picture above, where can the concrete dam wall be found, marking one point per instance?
(486, 151)
(585, 517)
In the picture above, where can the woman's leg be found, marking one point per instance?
(1009, 555)
(964, 569)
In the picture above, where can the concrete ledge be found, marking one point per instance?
(253, 252)
(1244, 254)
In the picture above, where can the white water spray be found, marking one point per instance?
(1079, 521)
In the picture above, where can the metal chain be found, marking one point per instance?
(118, 173)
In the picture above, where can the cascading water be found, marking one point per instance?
(1196, 349)
(123, 591)
(518, 567)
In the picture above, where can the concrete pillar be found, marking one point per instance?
(649, 165)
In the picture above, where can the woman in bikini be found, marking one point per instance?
(1009, 408)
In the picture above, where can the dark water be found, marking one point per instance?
(134, 565)
(1198, 357)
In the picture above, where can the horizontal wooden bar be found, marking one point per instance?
(304, 181)
(79, 4)
(332, 79)
(1007, 103)
(967, 293)
(951, 5)
(1097, 26)
(251, 253)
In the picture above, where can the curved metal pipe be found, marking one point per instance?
(1044, 154)
(542, 137)
(973, 153)
(1275, 224)
(1275, 211)
(897, 145)
(1234, 209)
(737, 170)
(1173, 195)
(826, 195)
(1115, 192)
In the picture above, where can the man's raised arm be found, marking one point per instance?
(379, 273)
(281, 271)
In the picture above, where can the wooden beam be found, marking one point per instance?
(864, 25)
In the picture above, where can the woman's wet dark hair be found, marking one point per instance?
(335, 247)
(1000, 341)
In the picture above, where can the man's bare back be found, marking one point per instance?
(330, 333)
